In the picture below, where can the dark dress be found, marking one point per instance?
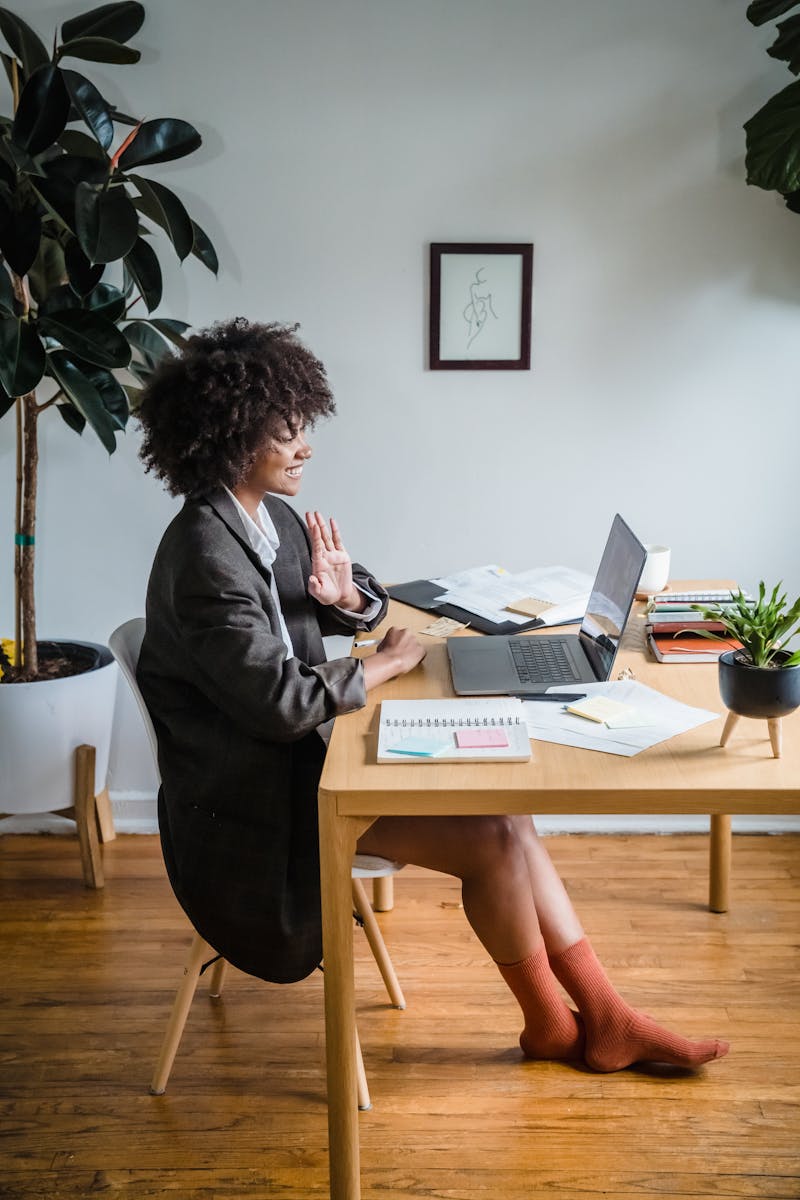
(236, 719)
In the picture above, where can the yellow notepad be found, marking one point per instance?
(600, 709)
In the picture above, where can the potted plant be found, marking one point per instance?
(772, 158)
(762, 679)
(79, 281)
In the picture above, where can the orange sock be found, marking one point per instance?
(616, 1034)
(552, 1030)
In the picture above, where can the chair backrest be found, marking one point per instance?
(125, 644)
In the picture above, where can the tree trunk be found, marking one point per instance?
(26, 540)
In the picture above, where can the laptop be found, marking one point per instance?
(520, 666)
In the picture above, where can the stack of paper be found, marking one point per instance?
(487, 591)
(648, 718)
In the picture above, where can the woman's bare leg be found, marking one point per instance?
(518, 906)
(488, 854)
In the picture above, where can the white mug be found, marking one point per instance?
(655, 572)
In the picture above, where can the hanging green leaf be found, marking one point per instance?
(203, 249)
(22, 357)
(20, 234)
(761, 11)
(106, 222)
(58, 299)
(43, 110)
(7, 402)
(121, 118)
(62, 176)
(147, 340)
(161, 141)
(110, 391)
(97, 49)
(90, 335)
(47, 273)
(91, 106)
(82, 275)
(143, 267)
(140, 371)
(134, 395)
(773, 143)
(84, 395)
(171, 329)
(19, 158)
(23, 41)
(120, 22)
(787, 44)
(76, 142)
(70, 414)
(106, 300)
(163, 206)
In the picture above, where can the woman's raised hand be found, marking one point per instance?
(331, 578)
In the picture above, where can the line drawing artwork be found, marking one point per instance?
(480, 307)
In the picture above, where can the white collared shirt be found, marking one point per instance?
(263, 537)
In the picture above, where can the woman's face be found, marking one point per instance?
(279, 468)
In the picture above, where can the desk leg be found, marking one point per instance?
(719, 863)
(337, 837)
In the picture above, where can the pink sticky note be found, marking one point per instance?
(478, 739)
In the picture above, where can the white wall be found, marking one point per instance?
(341, 137)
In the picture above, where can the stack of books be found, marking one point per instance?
(673, 622)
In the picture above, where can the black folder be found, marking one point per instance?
(421, 593)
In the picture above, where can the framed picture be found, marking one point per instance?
(480, 316)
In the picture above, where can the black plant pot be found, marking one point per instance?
(764, 692)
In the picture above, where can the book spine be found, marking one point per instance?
(677, 626)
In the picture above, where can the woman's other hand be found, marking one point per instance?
(398, 652)
(331, 578)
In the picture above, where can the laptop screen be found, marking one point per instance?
(612, 596)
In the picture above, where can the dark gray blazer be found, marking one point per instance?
(236, 719)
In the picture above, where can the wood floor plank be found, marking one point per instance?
(458, 1114)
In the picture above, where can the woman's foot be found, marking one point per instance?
(552, 1030)
(616, 1034)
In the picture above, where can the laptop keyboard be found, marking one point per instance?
(542, 658)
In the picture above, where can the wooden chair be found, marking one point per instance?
(125, 643)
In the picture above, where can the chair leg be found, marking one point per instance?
(364, 1101)
(198, 951)
(377, 945)
(217, 980)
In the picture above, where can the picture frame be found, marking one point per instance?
(480, 306)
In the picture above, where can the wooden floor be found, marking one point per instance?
(88, 978)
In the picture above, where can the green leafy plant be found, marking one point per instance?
(772, 159)
(764, 626)
(79, 276)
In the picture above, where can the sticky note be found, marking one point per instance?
(599, 708)
(418, 745)
(479, 739)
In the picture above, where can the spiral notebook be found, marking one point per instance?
(466, 730)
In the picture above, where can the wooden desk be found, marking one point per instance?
(688, 774)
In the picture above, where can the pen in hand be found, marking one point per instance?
(367, 642)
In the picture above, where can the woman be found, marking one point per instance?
(233, 671)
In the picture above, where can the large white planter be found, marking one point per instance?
(42, 723)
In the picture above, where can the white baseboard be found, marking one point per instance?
(135, 812)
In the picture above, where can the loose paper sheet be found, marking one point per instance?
(549, 722)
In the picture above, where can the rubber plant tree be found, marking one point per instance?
(773, 134)
(79, 274)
